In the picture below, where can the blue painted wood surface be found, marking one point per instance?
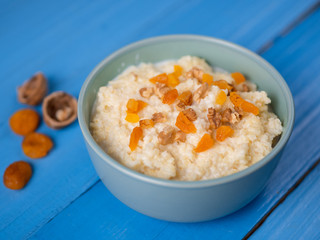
(66, 40)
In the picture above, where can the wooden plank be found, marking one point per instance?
(66, 41)
(298, 216)
(297, 59)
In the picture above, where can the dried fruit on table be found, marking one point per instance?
(135, 136)
(173, 80)
(243, 104)
(170, 96)
(186, 98)
(224, 132)
(59, 109)
(161, 78)
(36, 145)
(222, 84)
(24, 121)
(221, 97)
(132, 117)
(205, 143)
(146, 123)
(177, 70)
(34, 90)
(17, 175)
(207, 78)
(184, 124)
(238, 77)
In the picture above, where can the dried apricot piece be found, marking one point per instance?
(207, 78)
(177, 70)
(135, 136)
(161, 78)
(141, 105)
(243, 104)
(132, 117)
(224, 132)
(222, 84)
(24, 121)
(36, 145)
(173, 80)
(170, 96)
(238, 77)
(146, 123)
(249, 107)
(17, 175)
(132, 106)
(205, 143)
(184, 124)
(186, 98)
(221, 98)
(236, 99)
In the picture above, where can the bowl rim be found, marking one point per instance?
(187, 184)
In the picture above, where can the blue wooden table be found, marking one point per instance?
(65, 39)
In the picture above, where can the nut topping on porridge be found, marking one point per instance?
(201, 92)
(230, 117)
(159, 117)
(146, 92)
(195, 73)
(146, 123)
(214, 118)
(161, 89)
(180, 106)
(190, 114)
(180, 136)
(167, 135)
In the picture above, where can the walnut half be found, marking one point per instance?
(34, 90)
(195, 73)
(190, 114)
(201, 92)
(59, 109)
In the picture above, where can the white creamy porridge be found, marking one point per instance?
(164, 150)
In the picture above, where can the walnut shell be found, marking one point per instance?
(34, 90)
(59, 109)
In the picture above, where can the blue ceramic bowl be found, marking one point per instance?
(181, 201)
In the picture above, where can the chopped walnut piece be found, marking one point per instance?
(245, 88)
(146, 92)
(180, 136)
(195, 73)
(239, 111)
(167, 135)
(159, 117)
(201, 92)
(161, 89)
(214, 118)
(190, 114)
(230, 117)
(146, 123)
(180, 106)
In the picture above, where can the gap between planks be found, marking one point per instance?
(281, 200)
(260, 51)
(289, 28)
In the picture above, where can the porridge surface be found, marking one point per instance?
(250, 142)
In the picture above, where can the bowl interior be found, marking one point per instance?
(216, 52)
